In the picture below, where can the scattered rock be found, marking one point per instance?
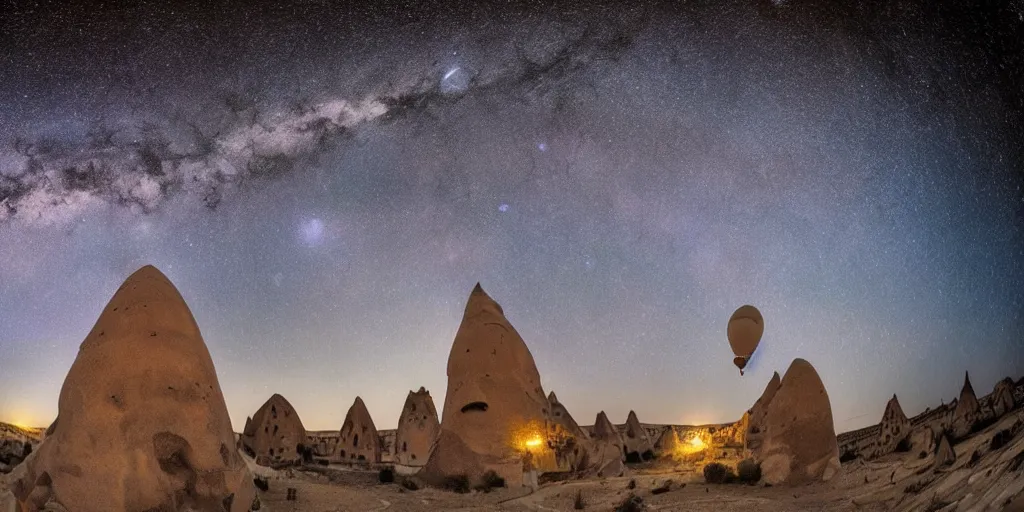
(663, 488)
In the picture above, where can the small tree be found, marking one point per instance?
(749, 471)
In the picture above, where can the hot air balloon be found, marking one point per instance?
(745, 328)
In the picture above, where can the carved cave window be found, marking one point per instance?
(475, 406)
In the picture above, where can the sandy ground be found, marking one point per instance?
(983, 478)
(905, 481)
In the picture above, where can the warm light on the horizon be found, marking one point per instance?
(697, 443)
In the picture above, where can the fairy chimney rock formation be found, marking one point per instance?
(967, 410)
(922, 441)
(668, 443)
(609, 448)
(894, 428)
(142, 423)
(1003, 400)
(638, 444)
(358, 440)
(572, 444)
(495, 410)
(798, 443)
(756, 415)
(944, 454)
(275, 433)
(417, 429)
(560, 416)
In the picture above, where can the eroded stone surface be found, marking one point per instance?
(417, 429)
(142, 421)
(495, 410)
(637, 444)
(798, 443)
(895, 429)
(967, 411)
(756, 414)
(358, 440)
(275, 433)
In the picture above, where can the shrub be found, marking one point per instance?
(578, 503)
(632, 484)
(647, 455)
(632, 503)
(386, 476)
(718, 473)
(457, 483)
(490, 480)
(410, 484)
(748, 471)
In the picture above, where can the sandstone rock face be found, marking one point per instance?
(638, 444)
(609, 449)
(572, 445)
(495, 410)
(798, 443)
(275, 433)
(967, 410)
(944, 454)
(756, 414)
(669, 444)
(560, 415)
(358, 440)
(417, 429)
(142, 423)
(922, 440)
(895, 428)
(1003, 400)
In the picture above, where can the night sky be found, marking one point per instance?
(325, 185)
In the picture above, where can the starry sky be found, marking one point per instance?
(325, 182)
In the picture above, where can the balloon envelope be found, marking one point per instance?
(745, 329)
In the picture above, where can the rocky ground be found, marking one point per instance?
(991, 480)
(988, 475)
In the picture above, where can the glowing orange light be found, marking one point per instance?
(533, 443)
(697, 443)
